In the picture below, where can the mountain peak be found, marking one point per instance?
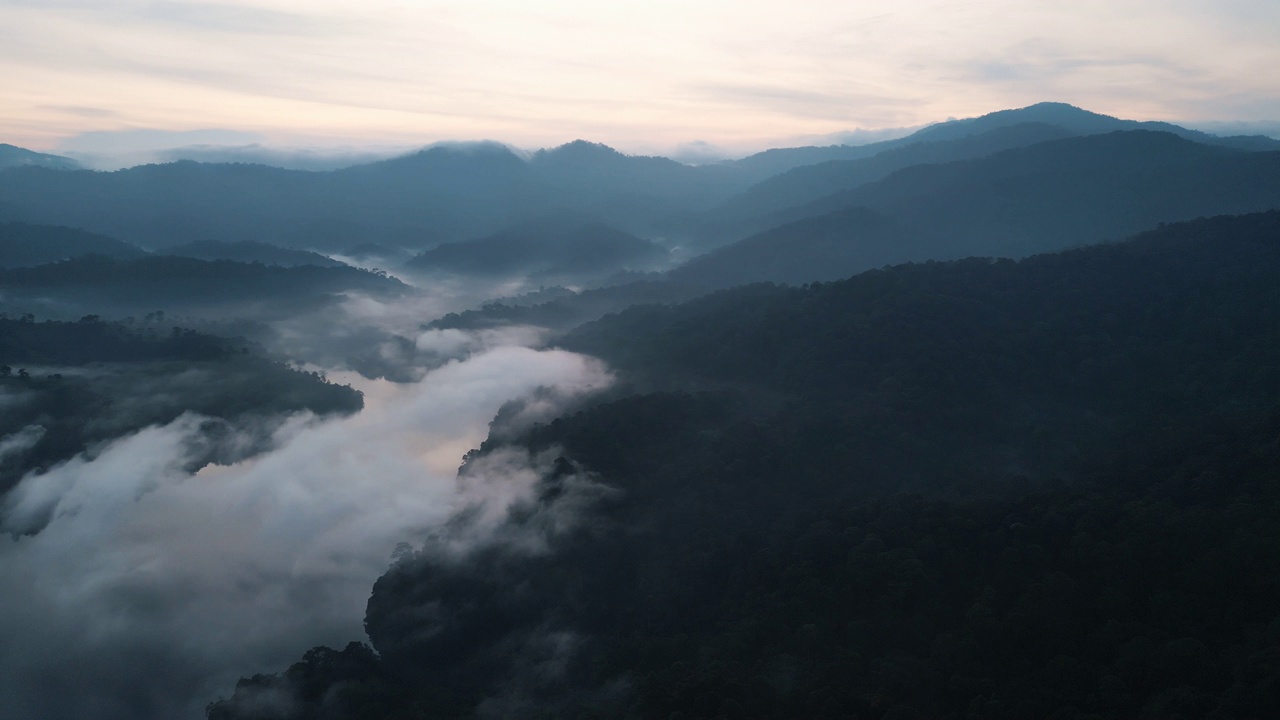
(578, 151)
(1064, 115)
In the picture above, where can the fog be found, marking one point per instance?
(151, 590)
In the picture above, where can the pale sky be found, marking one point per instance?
(640, 76)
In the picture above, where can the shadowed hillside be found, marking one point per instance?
(986, 489)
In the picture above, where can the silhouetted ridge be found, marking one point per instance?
(14, 156)
(26, 245)
(250, 252)
(1042, 197)
(568, 246)
(189, 284)
(1088, 440)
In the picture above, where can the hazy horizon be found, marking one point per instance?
(113, 150)
(715, 80)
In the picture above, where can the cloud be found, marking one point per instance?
(149, 140)
(150, 590)
(625, 73)
(14, 445)
(1270, 129)
(82, 111)
(385, 339)
(227, 18)
(834, 105)
(191, 15)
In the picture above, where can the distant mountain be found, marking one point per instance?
(163, 205)
(827, 247)
(742, 214)
(25, 245)
(248, 251)
(561, 248)
(457, 192)
(112, 287)
(446, 193)
(629, 191)
(1015, 203)
(1068, 118)
(1080, 122)
(767, 163)
(13, 156)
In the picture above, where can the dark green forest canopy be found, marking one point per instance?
(76, 384)
(120, 287)
(977, 489)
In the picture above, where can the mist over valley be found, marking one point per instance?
(979, 421)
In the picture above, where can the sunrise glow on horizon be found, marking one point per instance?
(640, 76)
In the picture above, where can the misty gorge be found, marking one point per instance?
(978, 421)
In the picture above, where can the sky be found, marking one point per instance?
(651, 76)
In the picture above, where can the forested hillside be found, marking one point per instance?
(68, 386)
(23, 245)
(121, 287)
(971, 489)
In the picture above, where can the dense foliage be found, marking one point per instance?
(185, 284)
(76, 384)
(974, 489)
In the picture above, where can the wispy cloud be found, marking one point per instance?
(628, 73)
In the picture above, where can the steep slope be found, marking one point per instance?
(1090, 437)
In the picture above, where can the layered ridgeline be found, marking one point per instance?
(1064, 119)
(441, 194)
(66, 387)
(117, 287)
(986, 489)
(1014, 203)
(564, 248)
(23, 245)
(13, 156)
(1042, 197)
(452, 193)
(248, 251)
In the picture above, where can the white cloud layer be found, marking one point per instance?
(151, 590)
